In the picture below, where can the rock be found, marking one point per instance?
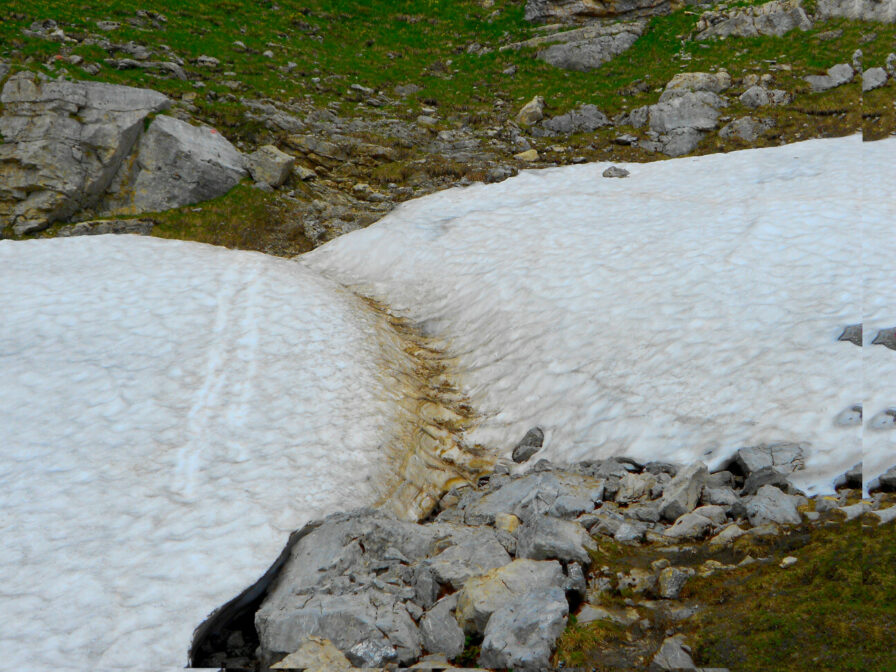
(583, 119)
(682, 493)
(723, 496)
(439, 630)
(632, 487)
(765, 476)
(615, 171)
(474, 555)
(521, 633)
(315, 655)
(640, 581)
(267, 53)
(859, 10)
(637, 118)
(770, 505)
(783, 457)
(891, 64)
(507, 522)
(63, 144)
(789, 561)
(714, 82)
(528, 155)
(690, 526)
(531, 495)
(268, 165)
(568, 11)
(4, 70)
(886, 338)
(482, 596)
(575, 580)
(745, 128)
(591, 613)
(715, 513)
(855, 510)
(887, 515)
(670, 582)
(837, 75)
(872, 78)
(755, 96)
(692, 110)
(588, 48)
(207, 61)
(529, 445)
(887, 481)
(672, 657)
(626, 139)
(727, 536)
(531, 113)
(629, 533)
(772, 18)
(108, 25)
(141, 227)
(176, 164)
(548, 538)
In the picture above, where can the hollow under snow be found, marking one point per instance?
(677, 314)
(171, 411)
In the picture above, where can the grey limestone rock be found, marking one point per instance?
(521, 633)
(697, 110)
(690, 526)
(482, 596)
(583, 119)
(268, 165)
(177, 164)
(682, 493)
(672, 657)
(63, 143)
(476, 553)
(670, 582)
(777, 18)
(577, 10)
(715, 82)
(783, 457)
(755, 96)
(549, 538)
(587, 48)
(771, 505)
(883, 11)
(837, 75)
(439, 630)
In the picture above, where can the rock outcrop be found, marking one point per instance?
(586, 48)
(773, 18)
(64, 142)
(568, 11)
(859, 10)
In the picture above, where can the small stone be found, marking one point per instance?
(672, 656)
(873, 78)
(268, 165)
(755, 96)
(238, 45)
(531, 113)
(507, 522)
(268, 53)
(439, 629)
(528, 155)
(207, 62)
(789, 561)
(532, 442)
(315, 654)
(615, 171)
(670, 582)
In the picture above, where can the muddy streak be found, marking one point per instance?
(431, 419)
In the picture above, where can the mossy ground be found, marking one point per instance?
(833, 611)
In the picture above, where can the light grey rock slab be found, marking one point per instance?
(439, 630)
(521, 633)
(698, 110)
(588, 48)
(837, 75)
(268, 165)
(883, 11)
(567, 11)
(482, 596)
(873, 78)
(670, 582)
(745, 128)
(777, 18)
(683, 492)
(690, 526)
(672, 657)
(477, 553)
(549, 538)
(583, 119)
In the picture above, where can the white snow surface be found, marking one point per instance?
(678, 314)
(171, 412)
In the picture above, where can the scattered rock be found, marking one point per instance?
(682, 493)
(141, 227)
(690, 526)
(855, 510)
(837, 75)
(772, 18)
(755, 96)
(587, 48)
(670, 582)
(886, 338)
(569, 11)
(268, 165)
(789, 561)
(529, 445)
(528, 155)
(615, 171)
(784, 457)
(714, 82)
(873, 78)
(315, 655)
(521, 633)
(859, 10)
(546, 537)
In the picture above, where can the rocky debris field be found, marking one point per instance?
(330, 142)
(513, 571)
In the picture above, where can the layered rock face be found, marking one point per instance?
(71, 147)
(860, 10)
(64, 144)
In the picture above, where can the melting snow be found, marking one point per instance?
(171, 410)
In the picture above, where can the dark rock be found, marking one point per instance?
(886, 338)
(529, 445)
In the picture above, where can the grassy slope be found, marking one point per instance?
(390, 42)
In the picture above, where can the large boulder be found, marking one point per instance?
(548, 538)
(440, 631)
(588, 48)
(836, 75)
(63, 144)
(176, 164)
(777, 18)
(771, 505)
(698, 110)
(475, 554)
(583, 119)
(567, 11)
(715, 82)
(521, 634)
(682, 493)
